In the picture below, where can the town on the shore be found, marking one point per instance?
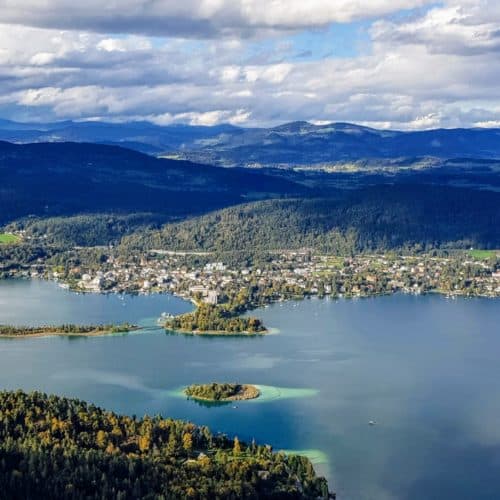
(287, 274)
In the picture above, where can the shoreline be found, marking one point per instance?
(216, 333)
(438, 291)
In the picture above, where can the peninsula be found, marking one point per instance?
(222, 392)
(209, 319)
(64, 330)
(51, 442)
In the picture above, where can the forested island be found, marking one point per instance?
(222, 392)
(209, 319)
(68, 330)
(54, 447)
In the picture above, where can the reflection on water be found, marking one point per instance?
(425, 369)
(316, 457)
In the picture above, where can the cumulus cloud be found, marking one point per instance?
(430, 68)
(194, 18)
(466, 28)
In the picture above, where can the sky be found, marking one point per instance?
(400, 64)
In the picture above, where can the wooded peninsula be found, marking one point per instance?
(209, 319)
(54, 447)
(64, 330)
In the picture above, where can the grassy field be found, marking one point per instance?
(8, 239)
(483, 254)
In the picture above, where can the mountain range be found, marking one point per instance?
(296, 143)
(85, 193)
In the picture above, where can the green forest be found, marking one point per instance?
(67, 329)
(86, 229)
(58, 448)
(409, 218)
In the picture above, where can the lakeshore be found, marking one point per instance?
(216, 333)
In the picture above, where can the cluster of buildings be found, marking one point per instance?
(291, 273)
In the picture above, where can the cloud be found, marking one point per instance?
(423, 69)
(194, 18)
(208, 118)
(458, 28)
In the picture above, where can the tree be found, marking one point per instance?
(101, 439)
(144, 442)
(173, 444)
(187, 442)
(236, 446)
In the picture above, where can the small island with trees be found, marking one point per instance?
(217, 392)
(64, 330)
(209, 319)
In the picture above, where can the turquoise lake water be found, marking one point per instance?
(425, 369)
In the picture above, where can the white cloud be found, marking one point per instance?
(436, 68)
(274, 73)
(488, 124)
(132, 43)
(194, 18)
(458, 28)
(42, 59)
(299, 14)
(207, 119)
(432, 120)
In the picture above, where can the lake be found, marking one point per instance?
(425, 369)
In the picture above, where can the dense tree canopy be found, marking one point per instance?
(215, 318)
(375, 219)
(52, 447)
(222, 391)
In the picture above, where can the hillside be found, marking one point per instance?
(378, 218)
(67, 178)
(52, 447)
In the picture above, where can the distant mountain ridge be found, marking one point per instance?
(141, 136)
(291, 143)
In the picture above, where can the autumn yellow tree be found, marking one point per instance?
(144, 442)
(187, 442)
(101, 439)
(236, 447)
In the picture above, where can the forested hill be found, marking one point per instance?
(67, 178)
(380, 218)
(58, 448)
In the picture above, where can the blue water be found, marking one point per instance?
(425, 369)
